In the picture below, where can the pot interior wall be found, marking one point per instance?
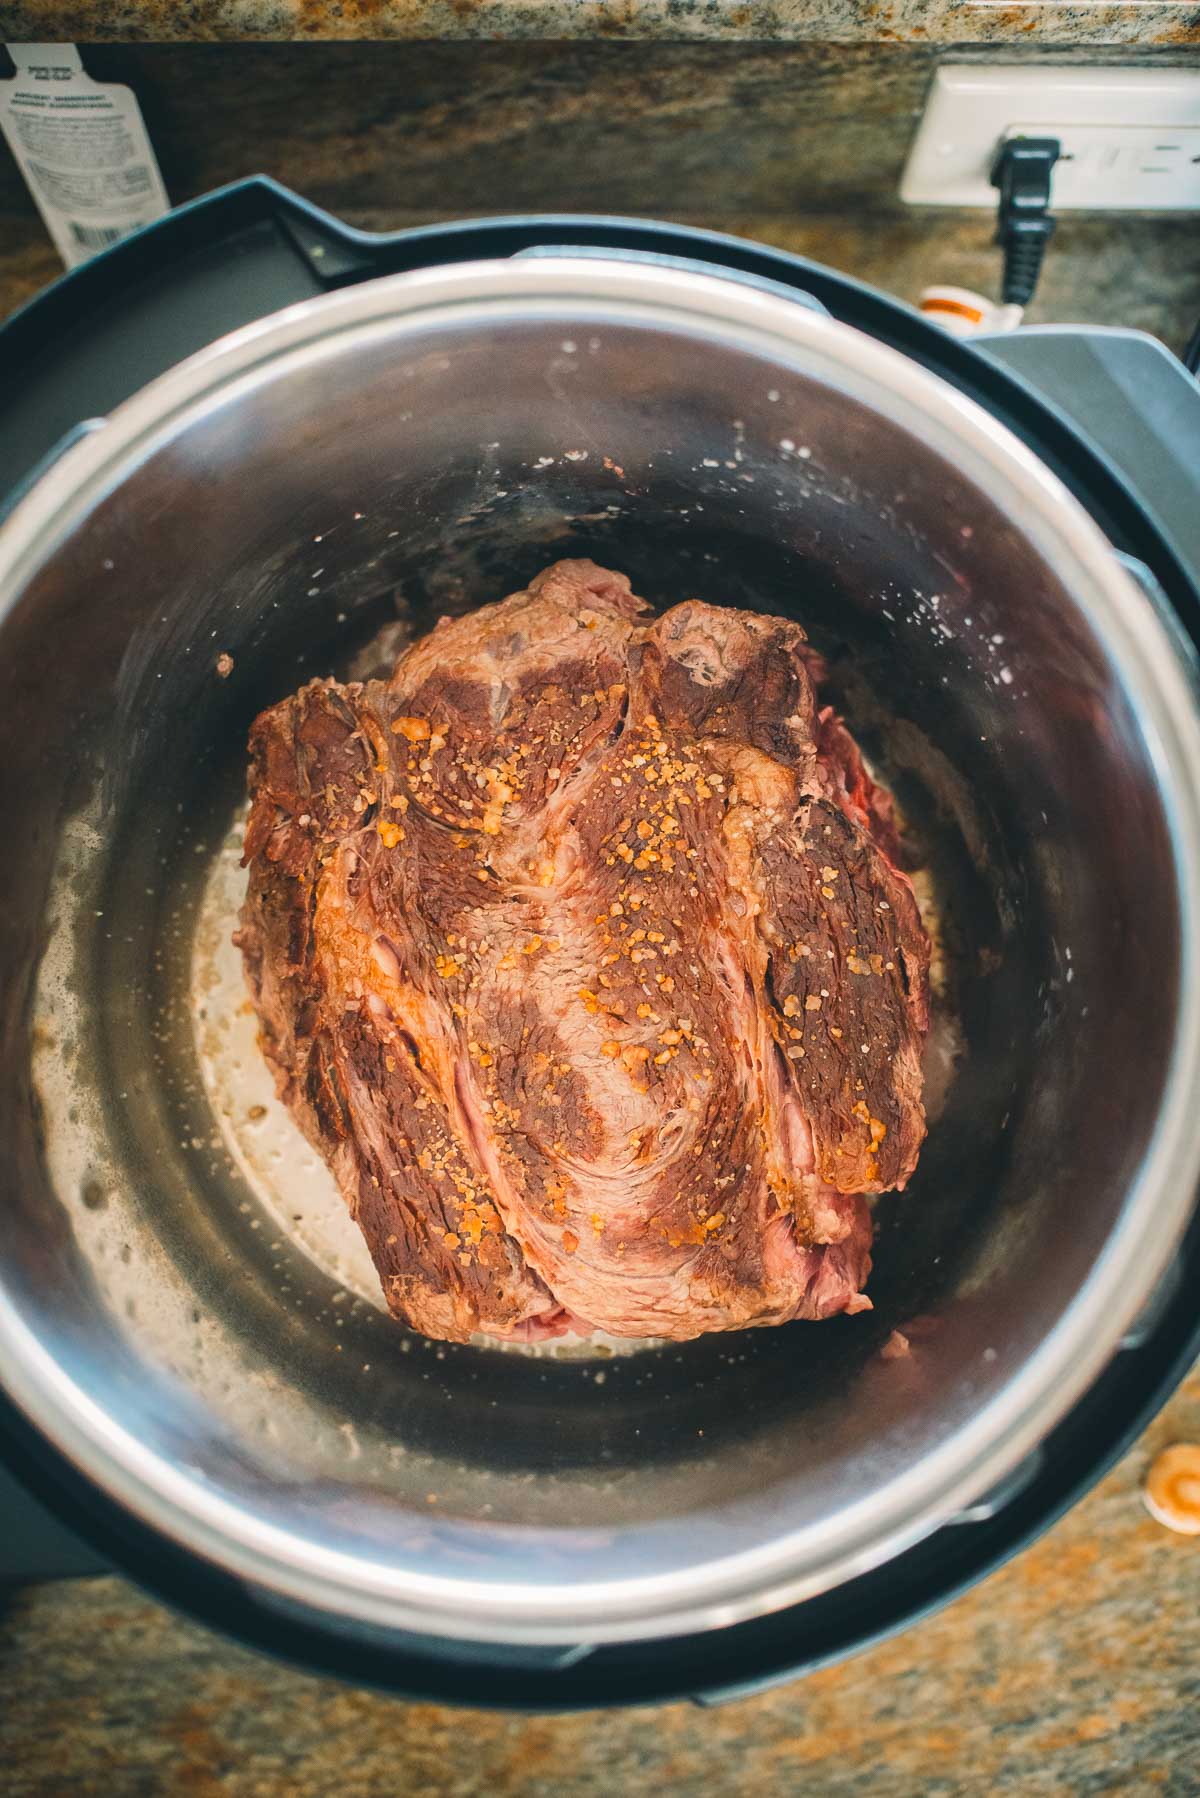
(283, 526)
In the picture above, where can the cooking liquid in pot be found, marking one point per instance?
(285, 1191)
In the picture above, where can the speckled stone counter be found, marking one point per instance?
(919, 21)
(1074, 1670)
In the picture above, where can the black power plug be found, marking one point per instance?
(1022, 171)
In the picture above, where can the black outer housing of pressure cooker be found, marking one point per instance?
(1115, 418)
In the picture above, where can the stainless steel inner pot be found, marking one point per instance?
(418, 445)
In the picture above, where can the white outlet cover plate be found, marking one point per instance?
(1130, 136)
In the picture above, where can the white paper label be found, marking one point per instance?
(82, 147)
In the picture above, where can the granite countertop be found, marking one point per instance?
(800, 144)
(1074, 1670)
(834, 21)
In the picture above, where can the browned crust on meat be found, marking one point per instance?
(581, 953)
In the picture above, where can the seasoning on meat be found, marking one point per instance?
(582, 954)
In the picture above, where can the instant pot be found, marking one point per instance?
(238, 446)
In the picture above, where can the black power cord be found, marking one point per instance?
(1022, 171)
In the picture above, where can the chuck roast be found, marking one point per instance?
(582, 954)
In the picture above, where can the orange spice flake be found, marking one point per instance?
(499, 794)
(878, 1129)
(416, 730)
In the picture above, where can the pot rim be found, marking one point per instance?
(788, 1567)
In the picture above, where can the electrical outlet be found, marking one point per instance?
(1130, 137)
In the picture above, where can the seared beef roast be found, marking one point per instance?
(582, 954)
